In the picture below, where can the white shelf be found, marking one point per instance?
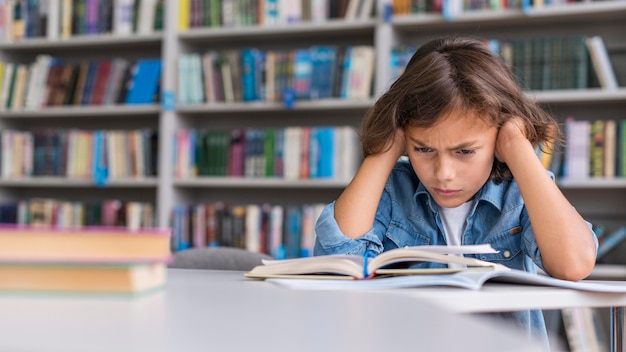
(304, 105)
(590, 11)
(66, 182)
(581, 96)
(333, 27)
(241, 182)
(586, 12)
(592, 183)
(437, 21)
(99, 40)
(118, 110)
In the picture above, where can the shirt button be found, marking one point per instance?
(506, 253)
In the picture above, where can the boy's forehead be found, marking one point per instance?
(459, 127)
(455, 118)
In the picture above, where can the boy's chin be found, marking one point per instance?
(451, 202)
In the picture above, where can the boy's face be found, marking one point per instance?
(453, 158)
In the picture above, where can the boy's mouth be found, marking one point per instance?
(446, 192)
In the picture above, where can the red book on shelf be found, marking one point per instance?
(101, 81)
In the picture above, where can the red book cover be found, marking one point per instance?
(101, 82)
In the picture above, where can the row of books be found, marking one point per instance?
(63, 213)
(83, 260)
(62, 19)
(52, 82)
(456, 7)
(544, 63)
(252, 74)
(297, 152)
(234, 13)
(80, 154)
(282, 231)
(548, 63)
(593, 149)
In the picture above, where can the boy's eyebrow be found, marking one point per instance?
(463, 145)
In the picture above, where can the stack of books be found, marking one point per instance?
(107, 260)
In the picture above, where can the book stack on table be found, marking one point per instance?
(107, 260)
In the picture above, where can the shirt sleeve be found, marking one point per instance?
(330, 240)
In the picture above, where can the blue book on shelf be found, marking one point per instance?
(314, 153)
(90, 80)
(326, 143)
(611, 241)
(293, 231)
(145, 82)
(302, 74)
(345, 75)
(99, 166)
(323, 71)
(249, 74)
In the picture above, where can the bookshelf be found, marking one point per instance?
(69, 116)
(600, 200)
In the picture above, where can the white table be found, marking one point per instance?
(222, 311)
(498, 297)
(504, 297)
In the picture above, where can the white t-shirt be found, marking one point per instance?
(454, 221)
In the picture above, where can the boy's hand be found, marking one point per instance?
(398, 145)
(510, 136)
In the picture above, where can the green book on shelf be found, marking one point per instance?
(596, 154)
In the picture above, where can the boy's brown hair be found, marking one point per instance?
(454, 74)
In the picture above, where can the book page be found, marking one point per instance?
(438, 254)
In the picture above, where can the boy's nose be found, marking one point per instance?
(444, 169)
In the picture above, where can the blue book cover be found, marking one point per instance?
(314, 153)
(154, 82)
(260, 79)
(326, 142)
(92, 73)
(293, 231)
(345, 78)
(133, 96)
(323, 71)
(145, 82)
(249, 74)
(302, 70)
(99, 166)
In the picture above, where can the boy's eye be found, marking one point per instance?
(465, 151)
(422, 150)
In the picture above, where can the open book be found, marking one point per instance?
(469, 279)
(394, 262)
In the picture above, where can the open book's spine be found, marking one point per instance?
(368, 254)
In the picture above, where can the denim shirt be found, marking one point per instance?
(407, 215)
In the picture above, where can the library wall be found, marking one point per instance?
(181, 35)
